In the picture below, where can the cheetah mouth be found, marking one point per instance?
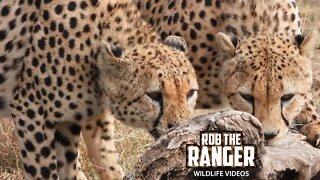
(156, 133)
(159, 131)
(279, 139)
(272, 142)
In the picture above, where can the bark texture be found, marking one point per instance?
(290, 158)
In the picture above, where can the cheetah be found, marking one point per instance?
(71, 67)
(248, 55)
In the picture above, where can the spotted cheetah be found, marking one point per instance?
(250, 55)
(74, 66)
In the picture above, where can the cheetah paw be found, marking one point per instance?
(312, 132)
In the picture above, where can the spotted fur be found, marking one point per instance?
(68, 67)
(250, 55)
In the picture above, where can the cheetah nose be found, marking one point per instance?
(170, 125)
(270, 135)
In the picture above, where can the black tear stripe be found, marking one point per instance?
(253, 108)
(154, 132)
(284, 119)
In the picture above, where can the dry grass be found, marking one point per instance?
(9, 153)
(310, 14)
(130, 142)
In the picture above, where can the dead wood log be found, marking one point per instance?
(290, 158)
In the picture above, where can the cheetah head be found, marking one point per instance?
(268, 76)
(151, 86)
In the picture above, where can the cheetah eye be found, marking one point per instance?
(191, 93)
(248, 97)
(155, 95)
(287, 97)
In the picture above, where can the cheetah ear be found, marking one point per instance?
(307, 44)
(176, 42)
(226, 43)
(111, 55)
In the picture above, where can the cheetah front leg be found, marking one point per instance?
(35, 137)
(98, 134)
(309, 118)
(67, 138)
